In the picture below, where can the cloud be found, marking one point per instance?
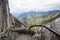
(19, 6)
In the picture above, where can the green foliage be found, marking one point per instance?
(50, 18)
(47, 20)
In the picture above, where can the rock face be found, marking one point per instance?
(24, 37)
(55, 25)
(7, 21)
(42, 34)
(4, 11)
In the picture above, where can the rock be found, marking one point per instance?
(55, 25)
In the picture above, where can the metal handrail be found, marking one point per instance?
(46, 28)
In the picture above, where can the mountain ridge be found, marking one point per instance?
(37, 13)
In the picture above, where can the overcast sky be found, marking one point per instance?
(19, 6)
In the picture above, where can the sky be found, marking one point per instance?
(20, 6)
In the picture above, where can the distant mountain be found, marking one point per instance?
(37, 13)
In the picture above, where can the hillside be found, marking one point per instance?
(50, 18)
(32, 17)
(47, 20)
(37, 14)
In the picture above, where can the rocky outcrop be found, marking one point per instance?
(55, 25)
